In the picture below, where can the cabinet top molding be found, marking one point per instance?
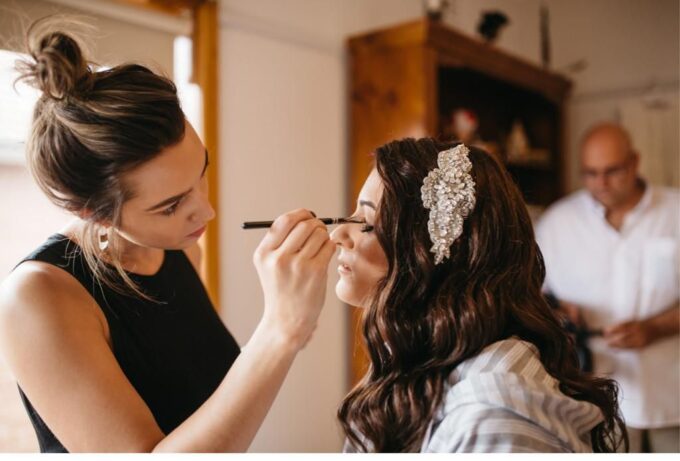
(455, 49)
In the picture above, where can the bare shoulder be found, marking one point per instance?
(54, 344)
(194, 253)
(39, 298)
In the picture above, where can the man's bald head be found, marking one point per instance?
(609, 164)
(615, 136)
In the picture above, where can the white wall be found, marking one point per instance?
(283, 145)
(281, 141)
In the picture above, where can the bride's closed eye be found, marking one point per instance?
(366, 227)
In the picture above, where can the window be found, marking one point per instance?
(17, 106)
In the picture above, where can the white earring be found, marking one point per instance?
(103, 239)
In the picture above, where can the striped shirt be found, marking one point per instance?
(502, 400)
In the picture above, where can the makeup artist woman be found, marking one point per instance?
(107, 327)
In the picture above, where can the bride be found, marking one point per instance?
(465, 355)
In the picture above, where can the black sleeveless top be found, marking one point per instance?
(174, 353)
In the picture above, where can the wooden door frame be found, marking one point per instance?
(205, 39)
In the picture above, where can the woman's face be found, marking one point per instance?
(362, 261)
(170, 206)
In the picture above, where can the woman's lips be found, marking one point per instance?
(197, 233)
(344, 269)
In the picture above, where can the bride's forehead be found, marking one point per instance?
(372, 187)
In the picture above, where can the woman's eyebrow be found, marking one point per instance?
(168, 201)
(367, 203)
(205, 166)
(174, 198)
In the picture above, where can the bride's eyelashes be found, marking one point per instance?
(366, 227)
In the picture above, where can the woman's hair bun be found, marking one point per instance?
(57, 65)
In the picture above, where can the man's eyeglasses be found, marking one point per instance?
(609, 173)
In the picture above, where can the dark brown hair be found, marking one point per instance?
(89, 128)
(425, 319)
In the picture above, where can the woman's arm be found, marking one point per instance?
(56, 345)
(230, 418)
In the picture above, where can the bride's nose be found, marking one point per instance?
(340, 236)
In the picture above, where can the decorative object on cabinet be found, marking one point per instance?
(491, 24)
(434, 9)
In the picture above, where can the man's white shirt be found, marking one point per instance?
(617, 276)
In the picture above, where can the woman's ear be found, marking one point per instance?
(86, 215)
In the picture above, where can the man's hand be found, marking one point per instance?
(629, 335)
(640, 333)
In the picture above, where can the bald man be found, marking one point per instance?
(611, 255)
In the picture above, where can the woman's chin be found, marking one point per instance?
(347, 295)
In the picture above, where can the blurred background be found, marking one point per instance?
(291, 96)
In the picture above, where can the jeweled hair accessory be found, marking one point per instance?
(449, 193)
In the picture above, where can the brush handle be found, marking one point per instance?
(266, 224)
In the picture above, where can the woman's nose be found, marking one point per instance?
(210, 211)
(204, 211)
(340, 236)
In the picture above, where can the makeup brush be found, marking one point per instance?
(327, 221)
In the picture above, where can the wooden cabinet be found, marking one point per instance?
(408, 79)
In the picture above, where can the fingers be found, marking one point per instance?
(615, 330)
(298, 237)
(619, 340)
(320, 247)
(614, 334)
(626, 335)
(282, 226)
(326, 252)
(313, 244)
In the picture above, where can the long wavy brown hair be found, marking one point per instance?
(425, 319)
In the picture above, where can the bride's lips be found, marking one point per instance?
(197, 233)
(344, 268)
